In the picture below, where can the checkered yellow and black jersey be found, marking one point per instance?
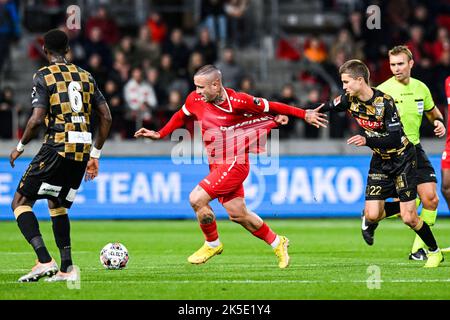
(69, 94)
(378, 117)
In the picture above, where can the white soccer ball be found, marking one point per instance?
(114, 256)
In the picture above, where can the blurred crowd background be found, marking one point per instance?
(143, 54)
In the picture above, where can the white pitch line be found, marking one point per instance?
(252, 281)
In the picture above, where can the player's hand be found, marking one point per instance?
(13, 156)
(439, 128)
(142, 132)
(281, 119)
(315, 118)
(357, 140)
(91, 169)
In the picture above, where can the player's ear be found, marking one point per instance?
(411, 63)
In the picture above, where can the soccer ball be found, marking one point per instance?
(114, 256)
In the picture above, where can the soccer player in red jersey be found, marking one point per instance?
(445, 161)
(232, 124)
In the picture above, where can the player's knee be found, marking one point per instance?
(196, 201)
(431, 202)
(410, 219)
(445, 189)
(371, 216)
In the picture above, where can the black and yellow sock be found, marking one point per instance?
(61, 231)
(424, 232)
(29, 226)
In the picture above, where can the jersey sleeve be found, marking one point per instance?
(428, 99)
(447, 89)
(339, 104)
(98, 97)
(39, 95)
(393, 136)
(250, 103)
(188, 106)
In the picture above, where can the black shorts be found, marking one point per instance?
(393, 178)
(51, 176)
(425, 171)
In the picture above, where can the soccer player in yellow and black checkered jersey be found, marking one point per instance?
(393, 166)
(64, 97)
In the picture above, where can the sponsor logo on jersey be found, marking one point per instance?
(241, 124)
(369, 124)
(337, 100)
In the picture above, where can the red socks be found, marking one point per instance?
(210, 231)
(265, 233)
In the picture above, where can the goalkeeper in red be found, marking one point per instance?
(233, 124)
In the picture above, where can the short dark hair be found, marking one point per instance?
(56, 41)
(355, 68)
(208, 69)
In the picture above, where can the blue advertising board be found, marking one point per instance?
(158, 188)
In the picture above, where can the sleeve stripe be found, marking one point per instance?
(448, 100)
(185, 110)
(266, 105)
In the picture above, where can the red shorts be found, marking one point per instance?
(445, 160)
(225, 181)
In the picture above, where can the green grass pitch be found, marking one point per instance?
(329, 260)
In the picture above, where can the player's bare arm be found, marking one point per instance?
(357, 140)
(34, 123)
(105, 120)
(145, 133)
(436, 118)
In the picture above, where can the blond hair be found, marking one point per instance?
(401, 49)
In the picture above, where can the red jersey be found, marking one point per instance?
(236, 127)
(447, 92)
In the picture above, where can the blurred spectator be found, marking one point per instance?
(214, 18)
(356, 26)
(166, 111)
(442, 43)
(232, 72)
(421, 17)
(166, 73)
(235, 10)
(121, 69)
(206, 47)
(288, 96)
(195, 63)
(247, 85)
(157, 28)
(312, 132)
(417, 44)
(114, 97)
(105, 23)
(152, 76)
(344, 42)
(126, 46)
(315, 50)
(98, 71)
(442, 71)
(178, 50)
(9, 28)
(140, 99)
(96, 44)
(146, 48)
(7, 116)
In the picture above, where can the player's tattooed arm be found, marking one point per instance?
(33, 125)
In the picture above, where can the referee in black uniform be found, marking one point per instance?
(64, 97)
